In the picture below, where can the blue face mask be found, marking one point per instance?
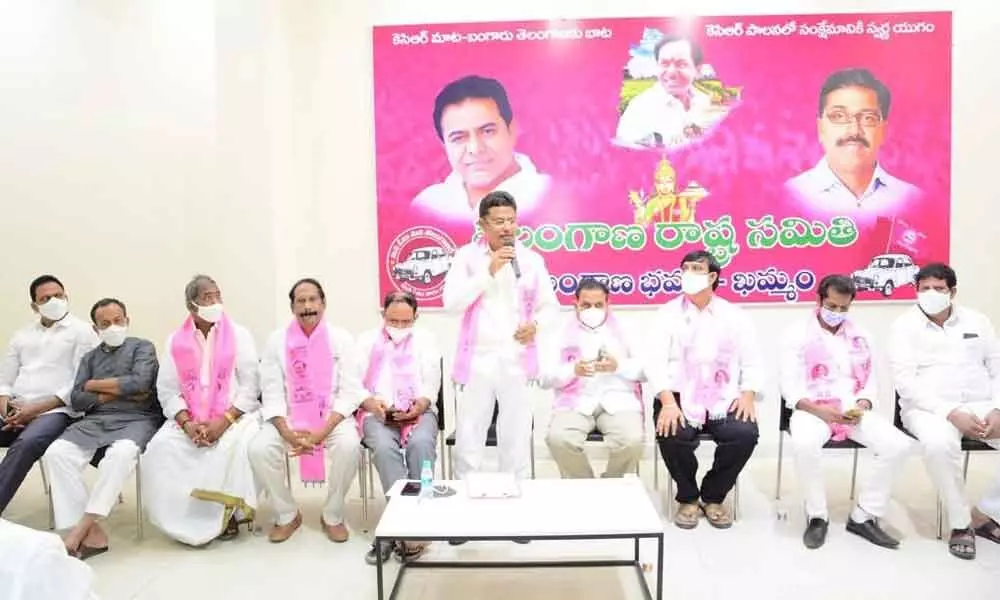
(833, 319)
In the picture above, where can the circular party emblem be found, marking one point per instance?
(417, 261)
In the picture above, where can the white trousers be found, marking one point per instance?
(890, 445)
(941, 444)
(267, 455)
(65, 463)
(492, 379)
(173, 467)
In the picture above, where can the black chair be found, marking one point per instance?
(366, 474)
(969, 446)
(95, 462)
(702, 437)
(784, 426)
(491, 438)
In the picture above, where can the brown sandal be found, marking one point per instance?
(717, 516)
(686, 516)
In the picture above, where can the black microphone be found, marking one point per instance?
(513, 261)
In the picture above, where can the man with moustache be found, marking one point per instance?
(474, 120)
(852, 123)
(310, 391)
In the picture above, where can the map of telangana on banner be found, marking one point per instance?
(790, 147)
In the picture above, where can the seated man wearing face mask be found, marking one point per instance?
(36, 378)
(946, 369)
(595, 373)
(400, 371)
(115, 391)
(704, 364)
(828, 376)
(196, 477)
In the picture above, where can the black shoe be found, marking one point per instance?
(815, 535)
(371, 559)
(871, 531)
(521, 541)
(456, 542)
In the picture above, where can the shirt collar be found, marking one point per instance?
(826, 180)
(689, 307)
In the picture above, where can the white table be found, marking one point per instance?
(548, 509)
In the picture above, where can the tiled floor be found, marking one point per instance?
(760, 557)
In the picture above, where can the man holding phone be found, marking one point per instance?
(595, 372)
(828, 375)
(399, 368)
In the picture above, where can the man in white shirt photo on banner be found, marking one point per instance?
(592, 365)
(828, 376)
(36, 380)
(705, 349)
(946, 369)
(475, 123)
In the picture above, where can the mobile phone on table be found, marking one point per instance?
(411, 488)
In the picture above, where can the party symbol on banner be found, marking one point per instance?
(665, 205)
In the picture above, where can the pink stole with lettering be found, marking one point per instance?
(405, 377)
(704, 380)
(568, 395)
(528, 295)
(310, 378)
(821, 370)
(205, 400)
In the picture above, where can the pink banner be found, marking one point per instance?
(789, 146)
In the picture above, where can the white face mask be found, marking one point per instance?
(593, 317)
(396, 334)
(114, 335)
(211, 313)
(54, 309)
(692, 283)
(933, 302)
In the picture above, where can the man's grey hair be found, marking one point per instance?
(193, 288)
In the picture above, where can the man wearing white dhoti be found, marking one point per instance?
(196, 475)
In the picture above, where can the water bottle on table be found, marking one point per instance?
(426, 480)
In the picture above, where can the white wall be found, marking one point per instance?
(142, 141)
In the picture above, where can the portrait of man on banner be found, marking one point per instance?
(475, 123)
(852, 124)
(669, 95)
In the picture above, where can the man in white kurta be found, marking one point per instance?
(335, 431)
(595, 371)
(501, 313)
(828, 376)
(704, 365)
(196, 477)
(946, 369)
(34, 565)
(36, 379)
(400, 373)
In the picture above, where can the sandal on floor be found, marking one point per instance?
(962, 543)
(232, 530)
(406, 552)
(989, 530)
(717, 516)
(686, 516)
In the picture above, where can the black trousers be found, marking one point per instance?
(24, 447)
(735, 441)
